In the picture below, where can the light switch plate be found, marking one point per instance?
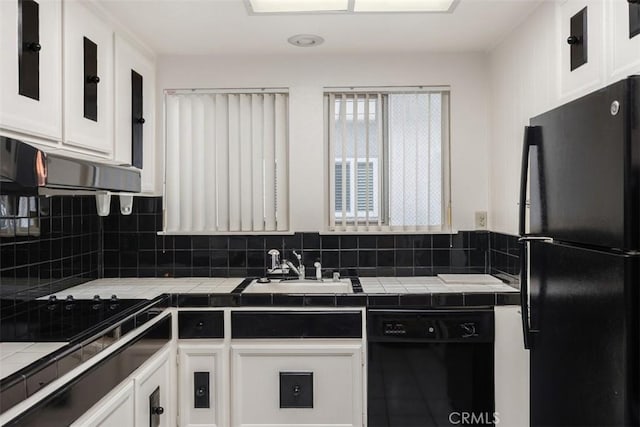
(481, 220)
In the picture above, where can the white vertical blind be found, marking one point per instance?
(226, 162)
(389, 168)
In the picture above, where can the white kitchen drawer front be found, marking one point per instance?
(208, 360)
(81, 24)
(589, 76)
(128, 59)
(624, 52)
(114, 410)
(39, 117)
(333, 369)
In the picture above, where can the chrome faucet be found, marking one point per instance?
(283, 267)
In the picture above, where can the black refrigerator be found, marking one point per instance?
(580, 263)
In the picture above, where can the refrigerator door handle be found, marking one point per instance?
(529, 141)
(530, 133)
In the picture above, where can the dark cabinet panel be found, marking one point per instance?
(137, 119)
(634, 18)
(29, 49)
(91, 80)
(201, 390)
(578, 39)
(200, 324)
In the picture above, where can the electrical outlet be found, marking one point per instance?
(481, 220)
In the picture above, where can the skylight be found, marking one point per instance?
(347, 6)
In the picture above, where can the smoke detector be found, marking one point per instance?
(305, 40)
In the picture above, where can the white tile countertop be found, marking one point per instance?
(16, 355)
(431, 284)
(149, 288)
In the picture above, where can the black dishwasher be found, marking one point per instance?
(430, 368)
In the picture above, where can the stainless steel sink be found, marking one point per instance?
(343, 286)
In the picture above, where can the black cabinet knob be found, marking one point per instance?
(34, 47)
(200, 325)
(93, 79)
(297, 390)
(158, 410)
(141, 120)
(201, 391)
(573, 40)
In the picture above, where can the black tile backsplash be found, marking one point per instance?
(60, 248)
(504, 253)
(131, 252)
(75, 245)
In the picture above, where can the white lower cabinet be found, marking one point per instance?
(114, 410)
(153, 390)
(203, 384)
(132, 403)
(511, 368)
(297, 383)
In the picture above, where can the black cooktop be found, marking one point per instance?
(60, 320)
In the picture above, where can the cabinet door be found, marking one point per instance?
(154, 392)
(135, 110)
(31, 70)
(202, 385)
(297, 384)
(589, 76)
(88, 79)
(114, 410)
(624, 51)
(512, 368)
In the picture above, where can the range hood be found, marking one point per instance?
(28, 168)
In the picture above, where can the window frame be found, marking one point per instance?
(382, 221)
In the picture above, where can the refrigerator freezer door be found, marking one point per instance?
(585, 170)
(584, 351)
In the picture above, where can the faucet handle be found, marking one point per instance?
(298, 256)
(275, 258)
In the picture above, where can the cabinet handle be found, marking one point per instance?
(34, 47)
(200, 325)
(141, 120)
(159, 410)
(93, 79)
(573, 40)
(297, 390)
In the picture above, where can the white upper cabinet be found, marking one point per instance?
(624, 51)
(135, 110)
(31, 70)
(590, 75)
(88, 79)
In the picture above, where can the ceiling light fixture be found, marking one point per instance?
(305, 40)
(298, 6)
(403, 5)
(349, 6)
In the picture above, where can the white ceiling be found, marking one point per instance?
(225, 27)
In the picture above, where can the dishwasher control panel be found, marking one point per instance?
(431, 325)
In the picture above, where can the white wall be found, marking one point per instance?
(530, 74)
(307, 74)
(523, 84)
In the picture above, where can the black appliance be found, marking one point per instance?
(580, 271)
(430, 367)
(60, 319)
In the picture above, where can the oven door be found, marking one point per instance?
(418, 384)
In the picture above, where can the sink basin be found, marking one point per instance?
(300, 287)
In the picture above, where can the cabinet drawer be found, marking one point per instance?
(200, 324)
(296, 324)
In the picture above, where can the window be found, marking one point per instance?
(226, 156)
(389, 154)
